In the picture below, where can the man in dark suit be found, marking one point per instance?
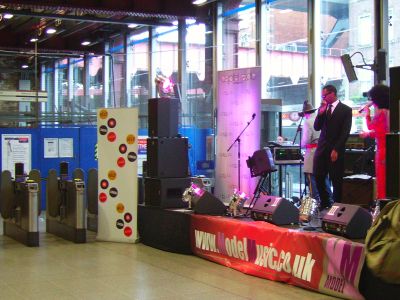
(334, 121)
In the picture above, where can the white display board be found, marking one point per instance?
(117, 135)
(16, 148)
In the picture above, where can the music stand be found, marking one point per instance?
(260, 164)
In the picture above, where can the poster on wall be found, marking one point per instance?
(239, 107)
(50, 147)
(16, 148)
(66, 147)
(142, 152)
(117, 136)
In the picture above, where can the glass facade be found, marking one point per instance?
(124, 76)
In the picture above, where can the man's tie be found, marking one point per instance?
(329, 113)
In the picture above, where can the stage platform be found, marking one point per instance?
(313, 260)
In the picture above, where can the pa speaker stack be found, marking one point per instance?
(167, 156)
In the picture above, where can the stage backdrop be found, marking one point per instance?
(117, 131)
(239, 97)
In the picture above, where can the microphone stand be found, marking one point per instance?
(238, 141)
(299, 129)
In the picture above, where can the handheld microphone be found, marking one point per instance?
(369, 103)
(253, 116)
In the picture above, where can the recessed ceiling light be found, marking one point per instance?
(8, 16)
(33, 40)
(51, 30)
(24, 66)
(85, 43)
(133, 25)
(199, 2)
(175, 23)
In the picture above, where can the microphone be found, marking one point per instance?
(369, 103)
(253, 116)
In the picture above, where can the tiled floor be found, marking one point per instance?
(60, 269)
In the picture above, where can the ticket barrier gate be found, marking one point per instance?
(66, 205)
(20, 206)
(92, 199)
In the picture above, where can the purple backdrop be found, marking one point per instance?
(239, 97)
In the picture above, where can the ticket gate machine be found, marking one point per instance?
(66, 205)
(20, 205)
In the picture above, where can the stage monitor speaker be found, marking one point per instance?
(163, 117)
(167, 157)
(276, 210)
(347, 220)
(165, 192)
(208, 204)
(359, 190)
(348, 68)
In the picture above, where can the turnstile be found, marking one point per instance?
(20, 206)
(66, 205)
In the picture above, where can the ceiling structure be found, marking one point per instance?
(78, 20)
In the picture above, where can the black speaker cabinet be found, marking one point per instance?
(163, 117)
(207, 204)
(359, 162)
(392, 165)
(347, 220)
(261, 162)
(394, 103)
(359, 190)
(165, 192)
(276, 210)
(167, 157)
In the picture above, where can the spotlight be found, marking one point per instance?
(33, 40)
(51, 30)
(132, 25)
(189, 194)
(85, 43)
(8, 16)
(237, 202)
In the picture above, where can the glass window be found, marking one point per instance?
(347, 27)
(96, 83)
(393, 33)
(138, 73)
(117, 73)
(62, 103)
(239, 34)
(79, 104)
(285, 73)
(165, 53)
(199, 104)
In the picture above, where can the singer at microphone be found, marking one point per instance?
(369, 104)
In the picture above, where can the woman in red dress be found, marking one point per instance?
(378, 126)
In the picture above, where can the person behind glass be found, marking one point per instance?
(378, 127)
(309, 141)
(334, 122)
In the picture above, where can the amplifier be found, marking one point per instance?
(287, 155)
(354, 141)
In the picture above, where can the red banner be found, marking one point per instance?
(316, 261)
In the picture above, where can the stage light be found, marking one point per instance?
(189, 194)
(85, 43)
(8, 16)
(24, 66)
(33, 40)
(236, 203)
(165, 87)
(308, 210)
(51, 30)
(132, 25)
